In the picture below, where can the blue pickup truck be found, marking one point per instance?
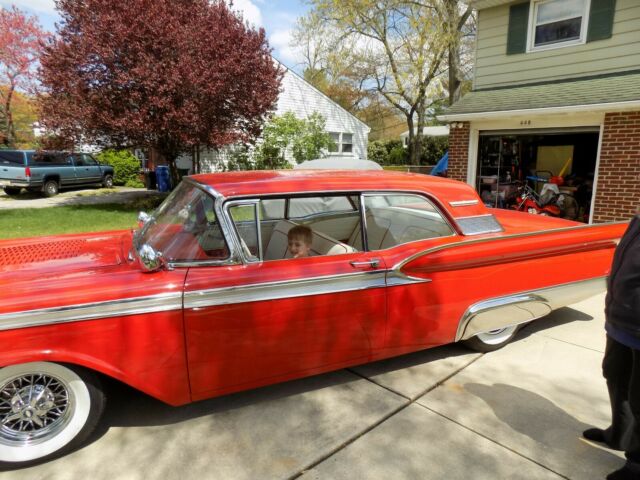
(47, 172)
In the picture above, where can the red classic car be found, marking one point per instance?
(204, 299)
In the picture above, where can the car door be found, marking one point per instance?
(272, 319)
(86, 169)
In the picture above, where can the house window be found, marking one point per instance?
(556, 23)
(342, 142)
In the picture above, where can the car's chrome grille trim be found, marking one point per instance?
(91, 311)
(285, 289)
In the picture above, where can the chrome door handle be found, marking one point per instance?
(373, 263)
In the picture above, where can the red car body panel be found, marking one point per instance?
(188, 352)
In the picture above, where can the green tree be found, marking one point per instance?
(283, 137)
(399, 49)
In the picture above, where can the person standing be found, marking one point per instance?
(621, 364)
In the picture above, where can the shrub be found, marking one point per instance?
(377, 152)
(433, 148)
(398, 155)
(392, 152)
(125, 165)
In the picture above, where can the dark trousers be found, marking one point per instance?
(621, 369)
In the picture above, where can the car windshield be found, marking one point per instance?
(185, 227)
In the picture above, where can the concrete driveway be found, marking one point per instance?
(444, 413)
(78, 196)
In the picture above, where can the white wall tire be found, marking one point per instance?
(45, 409)
(493, 340)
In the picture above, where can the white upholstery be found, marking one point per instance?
(321, 244)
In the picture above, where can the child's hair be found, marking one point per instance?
(301, 231)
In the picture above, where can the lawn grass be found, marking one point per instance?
(32, 222)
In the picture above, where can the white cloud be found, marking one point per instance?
(43, 6)
(280, 40)
(250, 12)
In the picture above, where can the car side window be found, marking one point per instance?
(329, 225)
(394, 219)
(245, 219)
(88, 160)
(50, 159)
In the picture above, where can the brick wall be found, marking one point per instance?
(618, 187)
(458, 150)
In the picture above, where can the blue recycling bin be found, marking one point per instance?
(163, 178)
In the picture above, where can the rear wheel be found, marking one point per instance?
(50, 188)
(11, 190)
(45, 409)
(491, 340)
(107, 181)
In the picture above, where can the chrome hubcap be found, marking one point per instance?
(33, 408)
(498, 335)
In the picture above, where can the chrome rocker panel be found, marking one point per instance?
(524, 307)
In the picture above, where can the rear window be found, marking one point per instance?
(11, 158)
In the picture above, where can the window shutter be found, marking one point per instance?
(601, 19)
(518, 26)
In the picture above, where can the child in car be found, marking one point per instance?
(299, 240)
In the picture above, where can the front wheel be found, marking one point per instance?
(45, 409)
(491, 340)
(107, 181)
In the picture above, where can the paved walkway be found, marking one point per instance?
(444, 413)
(75, 197)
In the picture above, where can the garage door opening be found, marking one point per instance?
(546, 171)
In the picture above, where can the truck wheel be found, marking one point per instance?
(45, 409)
(50, 188)
(11, 190)
(107, 181)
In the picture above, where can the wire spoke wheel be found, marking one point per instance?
(33, 408)
(45, 409)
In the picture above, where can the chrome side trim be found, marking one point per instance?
(463, 203)
(72, 313)
(473, 241)
(259, 292)
(396, 278)
(523, 307)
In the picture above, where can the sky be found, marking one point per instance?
(277, 17)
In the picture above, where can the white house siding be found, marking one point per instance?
(299, 97)
(493, 67)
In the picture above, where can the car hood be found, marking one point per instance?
(63, 254)
(76, 270)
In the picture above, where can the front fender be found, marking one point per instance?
(144, 351)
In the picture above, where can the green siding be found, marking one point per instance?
(494, 67)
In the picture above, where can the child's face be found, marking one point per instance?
(298, 247)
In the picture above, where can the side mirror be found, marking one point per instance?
(143, 218)
(150, 259)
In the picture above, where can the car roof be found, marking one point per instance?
(271, 182)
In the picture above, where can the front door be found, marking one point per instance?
(87, 169)
(274, 317)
